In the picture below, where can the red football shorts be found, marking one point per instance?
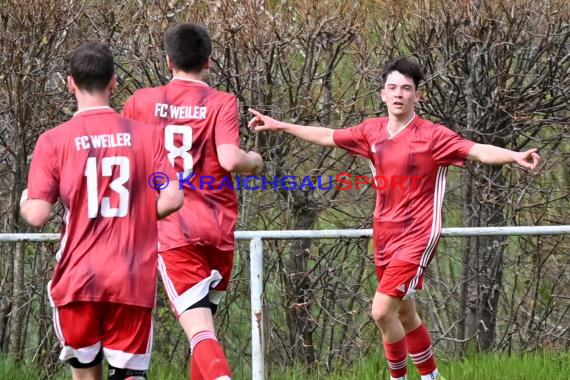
(400, 279)
(191, 272)
(124, 332)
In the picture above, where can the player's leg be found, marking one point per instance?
(127, 341)
(418, 340)
(188, 277)
(385, 314)
(208, 360)
(76, 326)
(92, 373)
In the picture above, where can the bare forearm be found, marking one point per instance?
(493, 155)
(35, 211)
(29, 215)
(233, 159)
(171, 199)
(162, 210)
(315, 135)
(490, 154)
(244, 163)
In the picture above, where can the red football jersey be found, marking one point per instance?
(194, 119)
(98, 164)
(410, 170)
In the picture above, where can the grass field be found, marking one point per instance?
(475, 367)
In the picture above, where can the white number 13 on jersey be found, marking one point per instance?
(117, 185)
(182, 150)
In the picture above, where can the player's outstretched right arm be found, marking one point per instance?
(170, 200)
(494, 155)
(316, 135)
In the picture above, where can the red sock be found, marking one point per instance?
(195, 373)
(396, 354)
(418, 342)
(208, 359)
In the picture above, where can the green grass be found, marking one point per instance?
(474, 367)
(160, 370)
(13, 371)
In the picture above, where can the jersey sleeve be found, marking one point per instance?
(129, 107)
(448, 148)
(353, 140)
(43, 179)
(226, 130)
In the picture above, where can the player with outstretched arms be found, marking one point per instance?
(407, 217)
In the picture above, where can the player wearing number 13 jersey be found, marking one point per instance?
(97, 165)
(201, 135)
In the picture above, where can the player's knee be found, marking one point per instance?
(409, 320)
(125, 373)
(383, 315)
(74, 363)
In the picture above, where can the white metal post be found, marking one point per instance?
(257, 344)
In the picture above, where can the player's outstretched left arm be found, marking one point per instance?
(493, 155)
(35, 211)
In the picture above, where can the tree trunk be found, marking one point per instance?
(467, 221)
(301, 324)
(5, 308)
(17, 316)
(484, 268)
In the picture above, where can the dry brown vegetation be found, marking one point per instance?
(498, 72)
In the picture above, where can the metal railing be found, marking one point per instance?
(256, 263)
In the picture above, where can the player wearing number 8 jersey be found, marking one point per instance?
(97, 165)
(191, 141)
(201, 132)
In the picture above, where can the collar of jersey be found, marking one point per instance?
(93, 109)
(191, 81)
(390, 136)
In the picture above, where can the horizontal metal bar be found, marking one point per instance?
(29, 237)
(508, 231)
(454, 231)
(332, 234)
(363, 233)
(302, 234)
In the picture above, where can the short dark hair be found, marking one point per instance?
(188, 46)
(91, 66)
(405, 67)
